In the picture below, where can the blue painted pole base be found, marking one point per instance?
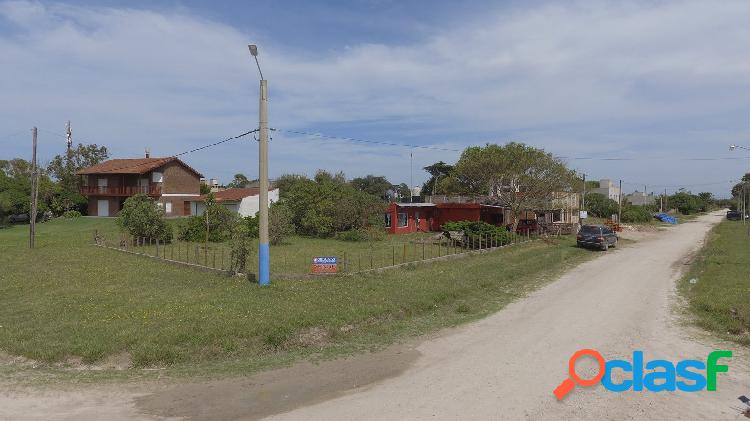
(264, 264)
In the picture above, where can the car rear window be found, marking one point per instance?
(590, 230)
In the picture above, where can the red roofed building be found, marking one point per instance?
(244, 201)
(403, 218)
(169, 181)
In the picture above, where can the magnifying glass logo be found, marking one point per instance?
(570, 383)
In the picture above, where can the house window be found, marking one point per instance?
(403, 220)
(156, 177)
(388, 221)
(168, 207)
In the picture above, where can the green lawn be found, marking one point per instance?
(68, 299)
(720, 296)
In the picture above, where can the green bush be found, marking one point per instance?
(280, 223)
(141, 217)
(636, 214)
(221, 222)
(71, 214)
(478, 231)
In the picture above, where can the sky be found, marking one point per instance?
(649, 92)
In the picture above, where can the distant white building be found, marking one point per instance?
(608, 189)
(245, 202)
(638, 198)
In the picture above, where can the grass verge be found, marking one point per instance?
(717, 286)
(70, 303)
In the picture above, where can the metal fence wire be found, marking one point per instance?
(290, 261)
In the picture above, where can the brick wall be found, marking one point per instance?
(178, 179)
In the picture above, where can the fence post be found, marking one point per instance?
(197, 255)
(345, 264)
(359, 261)
(403, 257)
(393, 255)
(440, 242)
(222, 258)
(205, 255)
(372, 257)
(213, 264)
(423, 250)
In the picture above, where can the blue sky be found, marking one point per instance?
(653, 82)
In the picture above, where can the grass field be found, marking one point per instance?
(720, 295)
(68, 301)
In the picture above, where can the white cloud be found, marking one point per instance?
(584, 78)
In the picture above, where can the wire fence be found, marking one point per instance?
(296, 257)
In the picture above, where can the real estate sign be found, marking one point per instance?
(324, 265)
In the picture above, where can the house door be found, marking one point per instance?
(102, 208)
(143, 185)
(186, 208)
(416, 218)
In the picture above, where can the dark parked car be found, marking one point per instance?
(599, 236)
(23, 218)
(20, 218)
(734, 215)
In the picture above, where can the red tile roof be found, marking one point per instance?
(132, 166)
(235, 194)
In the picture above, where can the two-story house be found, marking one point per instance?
(169, 181)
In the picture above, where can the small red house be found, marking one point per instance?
(403, 218)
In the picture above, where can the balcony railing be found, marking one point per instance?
(152, 190)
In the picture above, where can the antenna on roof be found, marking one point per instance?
(148, 153)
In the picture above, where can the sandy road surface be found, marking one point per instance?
(506, 366)
(502, 367)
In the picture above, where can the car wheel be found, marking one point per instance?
(605, 247)
(614, 244)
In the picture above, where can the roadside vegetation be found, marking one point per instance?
(68, 302)
(716, 287)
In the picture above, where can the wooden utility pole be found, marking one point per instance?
(34, 190)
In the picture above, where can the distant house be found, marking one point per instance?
(638, 198)
(608, 189)
(404, 218)
(169, 181)
(245, 202)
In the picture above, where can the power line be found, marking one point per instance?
(438, 148)
(210, 145)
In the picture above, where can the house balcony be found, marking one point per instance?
(124, 191)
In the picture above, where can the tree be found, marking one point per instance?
(240, 181)
(64, 167)
(600, 206)
(737, 188)
(515, 175)
(437, 171)
(327, 204)
(15, 187)
(402, 191)
(685, 202)
(141, 217)
(375, 185)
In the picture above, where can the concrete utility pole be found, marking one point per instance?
(263, 247)
(411, 175)
(583, 198)
(619, 211)
(34, 190)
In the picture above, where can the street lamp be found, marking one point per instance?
(263, 247)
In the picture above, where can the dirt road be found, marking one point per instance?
(502, 367)
(506, 366)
